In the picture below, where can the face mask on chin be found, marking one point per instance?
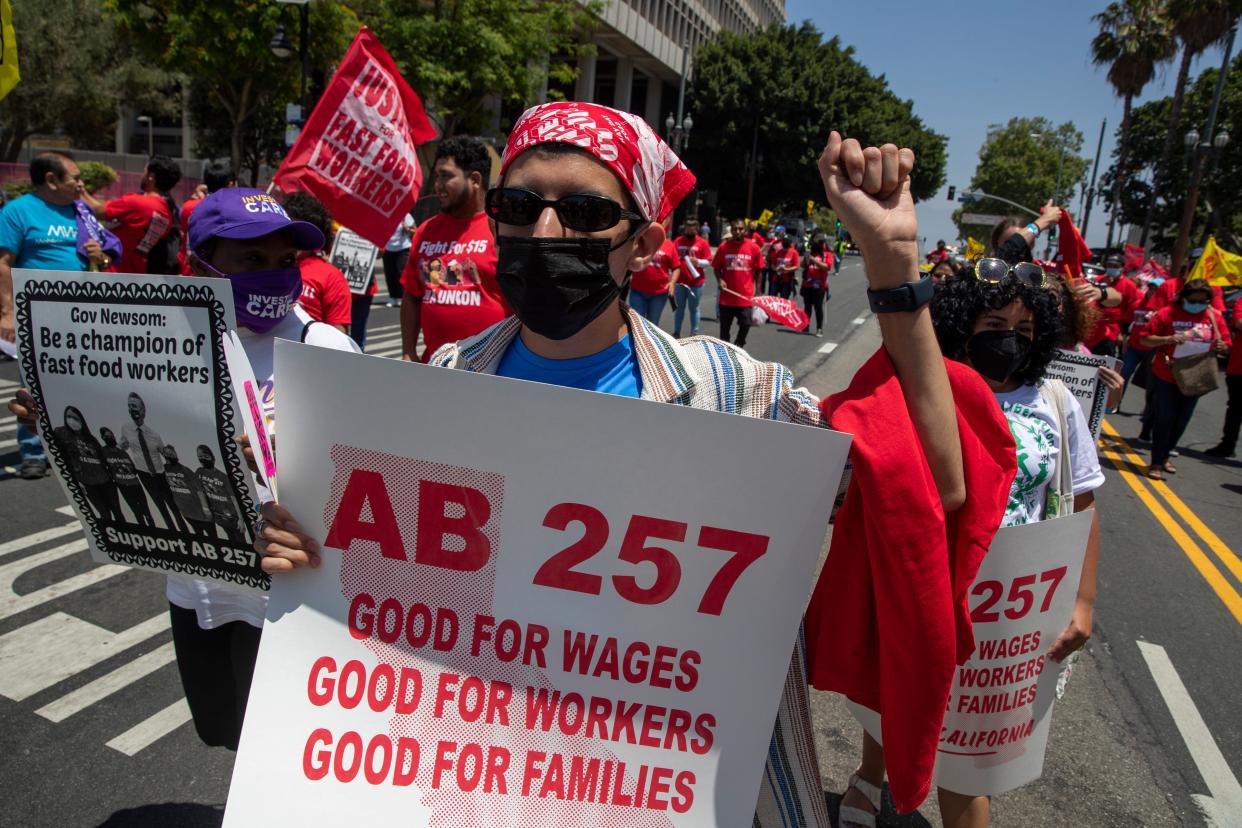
(261, 298)
(558, 285)
(997, 354)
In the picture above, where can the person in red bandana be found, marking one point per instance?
(579, 207)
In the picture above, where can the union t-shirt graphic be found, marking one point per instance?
(419, 542)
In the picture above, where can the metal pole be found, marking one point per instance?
(1086, 211)
(681, 97)
(1192, 197)
(754, 162)
(304, 10)
(1056, 194)
(150, 137)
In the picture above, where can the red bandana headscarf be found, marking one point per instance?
(648, 167)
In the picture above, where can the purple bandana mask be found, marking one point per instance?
(262, 298)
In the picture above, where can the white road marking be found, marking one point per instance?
(1224, 806)
(383, 340)
(827, 348)
(11, 603)
(66, 510)
(152, 728)
(382, 328)
(8, 385)
(57, 646)
(104, 686)
(7, 444)
(8, 425)
(389, 351)
(859, 321)
(39, 537)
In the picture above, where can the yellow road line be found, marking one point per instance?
(1217, 581)
(1223, 552)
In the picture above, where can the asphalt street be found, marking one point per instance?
(94, 729)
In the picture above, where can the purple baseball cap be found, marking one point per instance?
(246, 213)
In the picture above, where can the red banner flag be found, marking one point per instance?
(356, 152)
(783, 311)
(1134, 257)
(1073, 250)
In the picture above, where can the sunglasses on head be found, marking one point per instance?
(994, 271)
(584, 212)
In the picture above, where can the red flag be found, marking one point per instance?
(783, 311)
(1073, 249)
(1134, 257)
(356, 151)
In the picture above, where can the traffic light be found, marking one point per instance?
(952, 192)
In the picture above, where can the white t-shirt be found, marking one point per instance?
(217, 604)
(401, 237)
(1033, 423)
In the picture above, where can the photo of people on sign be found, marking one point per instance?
(355, 257)
(133, 392)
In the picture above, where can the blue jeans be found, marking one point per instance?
(29, 445)
(687, 297)
(1130, 362)
(1172, 411)
(648, 305)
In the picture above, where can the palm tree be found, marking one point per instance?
(1198, 24)
(1134, 38)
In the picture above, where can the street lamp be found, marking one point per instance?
(678, 133)
(282, 48)
(280, 45)
(146, 119)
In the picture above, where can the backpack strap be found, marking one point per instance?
(306, 329)
(1060, 499)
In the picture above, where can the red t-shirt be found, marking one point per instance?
(1142, 315)
(1171, 320)
(1166, 294)
(817, 275)
(1235, 355)
(786, 262)
(736, 263)
(183, 252)
(452, 273)
(140, 221)
(758, 239)
(937, 256)
(693, 247)
(1112, 319)
(655, 277)
(325, 293)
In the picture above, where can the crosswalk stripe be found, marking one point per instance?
(8, 425)
(386, 352)
(37, 538)
(7, 385)
(383, 340)
(152, 728)
(5, 445)
(11, 603)
(104, 686)
(381, 328)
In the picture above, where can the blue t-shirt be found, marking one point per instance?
(40, 235)
(613, 370)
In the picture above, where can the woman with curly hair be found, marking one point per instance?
(1080, 316)
(1006, 323)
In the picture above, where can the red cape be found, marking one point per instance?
(888, 622)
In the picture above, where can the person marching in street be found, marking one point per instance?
(325, 293)
(396, 253)
(449, 281)
(1005, 323)
(39, 230)
(695, 253)
(1189, 329)
(838, 250)
(589, 213)
(1014, 242)
(1233, 383)
(147, 221)
(651, 286)
(1116, 311)
(943, 271)
(940, 254)
(737, 264)
(125, 478)
(785, 267)
(815, 283)
(216, 176)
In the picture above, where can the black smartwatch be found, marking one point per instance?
(903, 298)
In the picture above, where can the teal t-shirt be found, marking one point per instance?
(613, 370)
(40, 235)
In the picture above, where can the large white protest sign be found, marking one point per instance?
(136, 411)
(1081, 375)
(355, 257)
(995, 729)
(519, 620)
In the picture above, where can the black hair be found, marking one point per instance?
(468, 153)
(1007, 223)
(305, 207)
(165, 170)
(52, 161)
(957, 304)
(1079, 317)
(1196, 286)
(217, 175)
(955, 271)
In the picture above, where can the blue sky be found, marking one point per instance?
(970, 63)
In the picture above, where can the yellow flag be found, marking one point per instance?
(1218, 266)
(974, 248)
(8, 50)
(765, 217)
(810, 205)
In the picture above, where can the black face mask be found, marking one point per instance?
(556, 286)
(997, 354)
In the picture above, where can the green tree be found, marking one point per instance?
(1220, 207)
(1198, 24)
(464, 56)
(781, 91)
(1134, 37)
(73, 72)
(226, 48)
(1020, 161)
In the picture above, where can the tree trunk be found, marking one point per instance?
(1170, 139)
(1121, 166)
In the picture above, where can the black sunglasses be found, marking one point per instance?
(584, 212)
(993, 271)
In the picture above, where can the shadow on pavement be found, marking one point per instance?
(888, 816)
(181, 814)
